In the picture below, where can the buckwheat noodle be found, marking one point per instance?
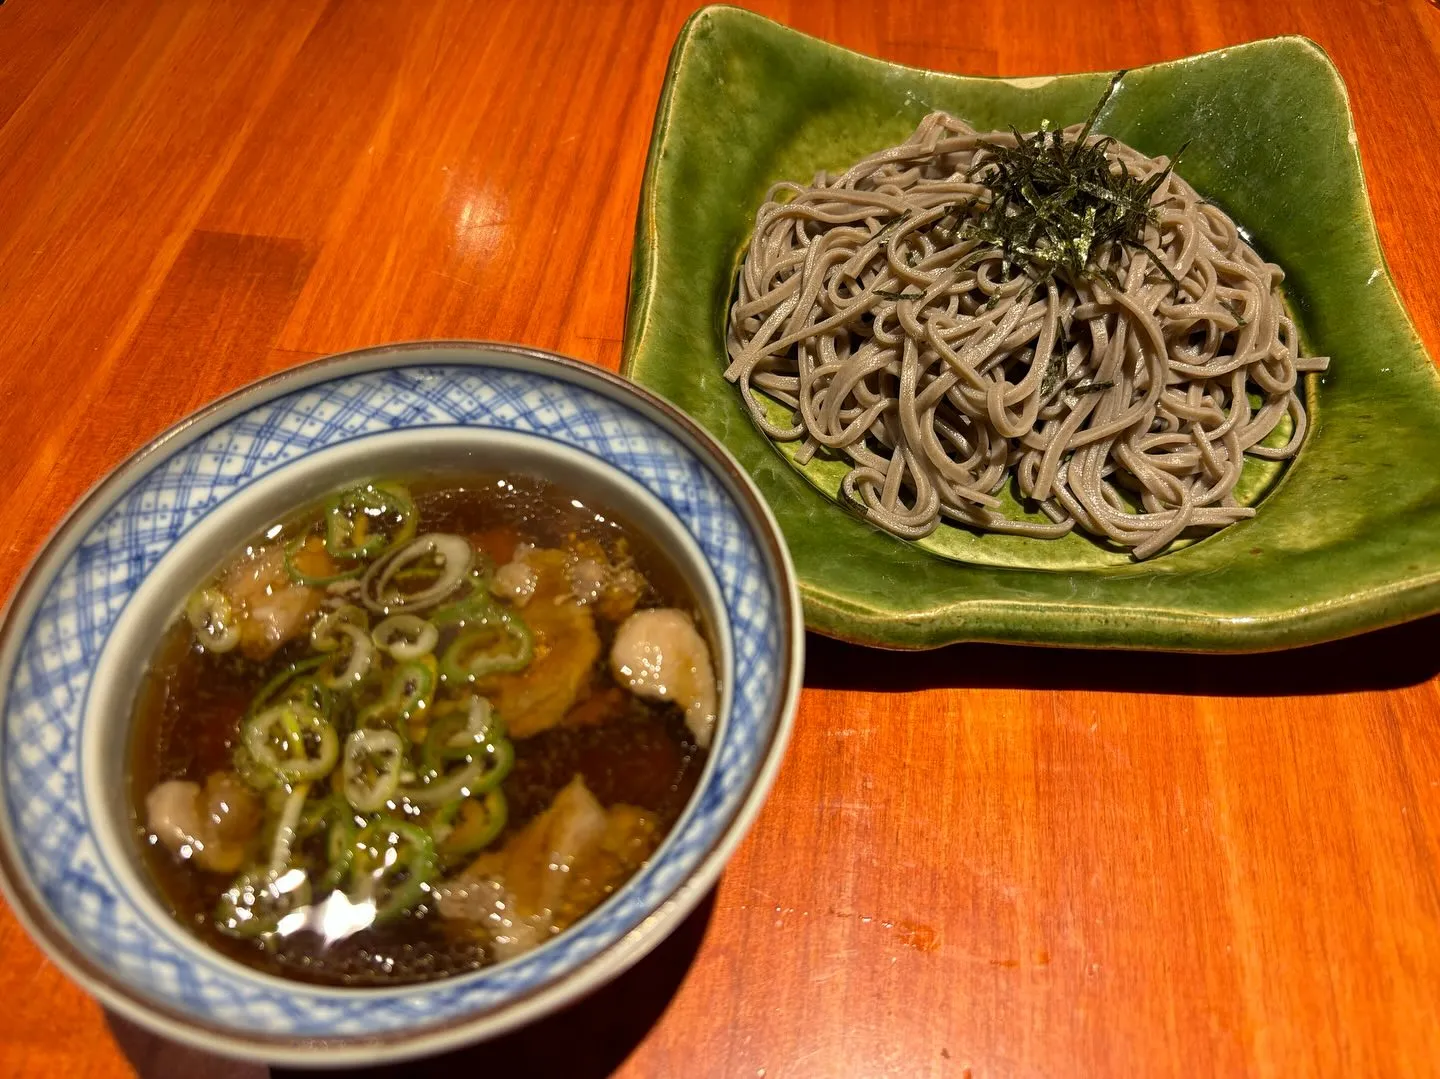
(908, 348)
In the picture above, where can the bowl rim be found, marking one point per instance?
(47, 931)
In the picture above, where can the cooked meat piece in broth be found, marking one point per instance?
(566, 648)
(659, 654)
(272, 607)
(552, 872)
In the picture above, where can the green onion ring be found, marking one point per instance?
(294, 723)
(385, 752)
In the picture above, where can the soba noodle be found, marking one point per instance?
(1122, 401)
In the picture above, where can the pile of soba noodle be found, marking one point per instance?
(1119, 399)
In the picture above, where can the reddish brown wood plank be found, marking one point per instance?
(34, 35)
(209, 328)
(983, 862)
(112, 194)
(478, 227)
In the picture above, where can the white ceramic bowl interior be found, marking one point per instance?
(161, 597)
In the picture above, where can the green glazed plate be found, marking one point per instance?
(1347, 539)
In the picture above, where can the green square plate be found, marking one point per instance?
(1349, 538)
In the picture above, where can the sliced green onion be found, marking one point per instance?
(405, 636)
(278, 688)
(363, 521)
(379, 716)
(280, 738)
(392, 865)
(380, 591)
(307, 695)
(357, 663)
(339, 850)
(479, 607)
(409, 690)
(373, 760)
(257, 900)
(320, 814)
(483, 771)
(213, 620)
(310, 693)
(470, 825)
(411, 687)
(456, 735)
(348, 588)
(292, 688)
(255, 774)
(475, 601)
(499, 645)
(325, 634)
(285, 829)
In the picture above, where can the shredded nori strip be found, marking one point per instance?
(1055, 204)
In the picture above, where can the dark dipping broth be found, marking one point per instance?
(355, 763)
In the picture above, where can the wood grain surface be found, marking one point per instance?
(976, 862)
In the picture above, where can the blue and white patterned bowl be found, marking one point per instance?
(85, 616)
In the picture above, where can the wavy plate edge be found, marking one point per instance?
(837, 616)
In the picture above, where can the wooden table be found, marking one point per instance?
(977, 862)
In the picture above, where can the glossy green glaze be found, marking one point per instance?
(1348, 539)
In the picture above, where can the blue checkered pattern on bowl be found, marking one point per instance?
(42, 720)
